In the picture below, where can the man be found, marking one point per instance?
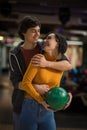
(19, 58)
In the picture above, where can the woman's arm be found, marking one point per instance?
(40, 60)
(27, 85)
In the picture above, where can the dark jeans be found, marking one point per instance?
(35, 117)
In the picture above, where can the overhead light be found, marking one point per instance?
(84, 33)
(75, 42)
(1, 38)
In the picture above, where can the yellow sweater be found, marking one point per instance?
(38, 75)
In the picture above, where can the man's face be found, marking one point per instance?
(32, 35)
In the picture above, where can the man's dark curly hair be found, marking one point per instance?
(26, 23)
(61, 40)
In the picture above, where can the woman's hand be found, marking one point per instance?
(42, 89)
(69, 102)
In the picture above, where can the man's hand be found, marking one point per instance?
(39, 60)
(47, 106)
(42, 89)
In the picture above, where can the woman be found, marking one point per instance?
(36, 114)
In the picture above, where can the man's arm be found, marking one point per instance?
(39, 60)
(14, 72)
(60, 65)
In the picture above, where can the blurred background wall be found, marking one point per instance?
(67, 17)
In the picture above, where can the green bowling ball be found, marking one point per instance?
(57, 98)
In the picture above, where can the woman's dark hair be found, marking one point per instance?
(61, 40)
(26, 23)
(62, 43)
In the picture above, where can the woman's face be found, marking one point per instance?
(50, 43)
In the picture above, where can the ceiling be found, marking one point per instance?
(48, 11)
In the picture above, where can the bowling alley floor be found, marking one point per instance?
(9, 127)
(74, 118)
